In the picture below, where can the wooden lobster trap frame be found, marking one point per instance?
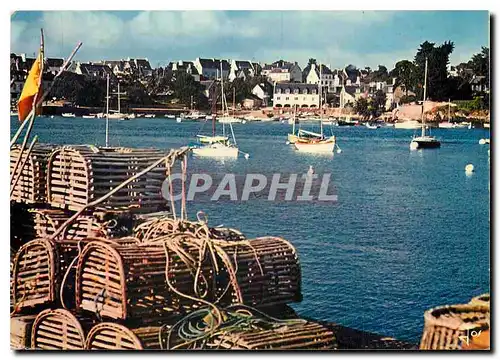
(77, 175)
(113, 336)
(38, 271)
(306, 336)
(156, 280)
(447, 327)
(31, 188)
(59, 329)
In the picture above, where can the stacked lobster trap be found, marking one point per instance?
(126, 276)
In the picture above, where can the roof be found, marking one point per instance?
(214, 64)
(143, 64)
(351, 90)
(293, 86)
(55, 62)
(95, 69)
(243, 64)
(252, 97)
(116, 63)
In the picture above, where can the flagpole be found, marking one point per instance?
(32, 119)
(46, 93)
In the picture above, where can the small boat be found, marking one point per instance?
(229, 120)
(179, 119)
(68, 115)
(149, 115)
(484, 141)
(486, 125)
(14, 113)
(88, 116)
(316, 144)
(168, 116)
(446, 125)
(218, 146)
(371, 126)
(424, 141)
(409, 124)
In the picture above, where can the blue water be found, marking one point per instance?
(409, 231)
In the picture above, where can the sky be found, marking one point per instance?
(336, 38)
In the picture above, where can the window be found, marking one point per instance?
(304, 91)
(296, 98)
(313, 91)
(278, 98)
(305, 98)
(278, 91)
(287, 91)
(295, 91)
(287, 98)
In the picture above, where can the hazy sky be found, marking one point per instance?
(337, 38)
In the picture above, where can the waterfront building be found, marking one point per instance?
(331, 81)
(211, 68)
(295, 94)
(283, 71)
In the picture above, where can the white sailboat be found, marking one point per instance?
(310, 142)
(292, 137)
(424, 141)
(216, 145)
(118, 114)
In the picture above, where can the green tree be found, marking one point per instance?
(438, 59)
(378, 103)
(405, 73)
(361, 107)
(480, 63)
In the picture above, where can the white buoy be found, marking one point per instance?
(469, 169)
(339, 151)
(247, 156)
(288, 142)
(482, 142)
(413, 145)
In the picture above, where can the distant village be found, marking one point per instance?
(281, 84)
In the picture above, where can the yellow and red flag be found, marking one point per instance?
(31, 88)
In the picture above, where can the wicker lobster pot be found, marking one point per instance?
(268, 271)
(483, 299)
(447, 326)
(59, 329)
(308, 336)
(77, 175)
(47, 221)
(111, 336)
(31, 186)
(38, 270)
(129, 282)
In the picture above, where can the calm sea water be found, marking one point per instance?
(409, 231)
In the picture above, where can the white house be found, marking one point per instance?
(262, 92)
(211, 68)
(242, 69)
(296, 94)
(349, 94)
(331, 80)
(283, 71)
(188, 67)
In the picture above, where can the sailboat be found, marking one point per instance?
(292, 137)
(424, 141)
(216, 145)
(118, 115)
(311, 142)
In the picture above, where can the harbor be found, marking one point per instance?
(374, 222)
(323, 209)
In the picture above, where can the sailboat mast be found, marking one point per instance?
(223, 98)
(234, 100)
(294, 118)
(425, 97)
(119, 110)
(320, 101)
(107, 110)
